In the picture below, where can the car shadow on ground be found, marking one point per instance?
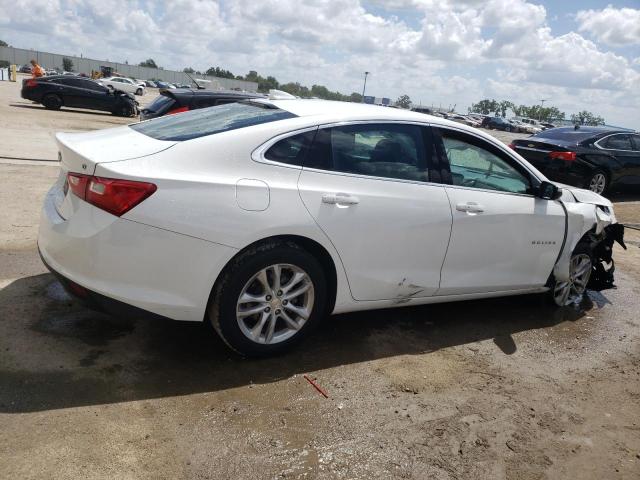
(54, 353)
(64, 109)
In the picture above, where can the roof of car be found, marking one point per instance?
(594, 130)
(211, 93)
(328, 111)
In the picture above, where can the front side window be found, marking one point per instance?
(475, 164)
(380, 150)
(618, 142)
(208, 121)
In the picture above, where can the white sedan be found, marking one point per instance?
(264, 216)
(124, 84)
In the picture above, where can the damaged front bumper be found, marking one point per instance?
(603, 264)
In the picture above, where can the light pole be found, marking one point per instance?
(542, 100)
(365, 85)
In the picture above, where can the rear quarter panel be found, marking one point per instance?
(197, 192)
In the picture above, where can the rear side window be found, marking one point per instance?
(291, 150)
(208, 121)
(618, 142)
(379, 150)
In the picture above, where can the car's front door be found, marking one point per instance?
(367, 187)
(503, 237)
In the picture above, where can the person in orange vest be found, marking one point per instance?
(36, 70)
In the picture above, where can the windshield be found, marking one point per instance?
(207, 121)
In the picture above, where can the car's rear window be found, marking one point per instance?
(207, 121)
(568, 134)
(161, 103)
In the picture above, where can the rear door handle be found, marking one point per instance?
(340, 199)
(470, 207)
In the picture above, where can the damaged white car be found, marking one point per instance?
(264, 216)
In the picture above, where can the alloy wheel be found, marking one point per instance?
(566, 293)
(275, 303)
(597, 183)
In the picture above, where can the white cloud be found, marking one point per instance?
(611, 26)
(440, 51)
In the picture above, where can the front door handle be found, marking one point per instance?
(340, 199)
(470, 207)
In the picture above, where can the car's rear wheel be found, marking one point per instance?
(52, 102)
(268, 299)
(507, 129)
(597, 182)
(580, 267)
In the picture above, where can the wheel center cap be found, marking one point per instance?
(276, 303)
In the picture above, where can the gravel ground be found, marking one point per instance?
(494, 389)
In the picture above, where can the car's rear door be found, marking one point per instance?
(622, 147)
(367, 186)
(503, 237)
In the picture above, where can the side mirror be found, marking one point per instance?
(548, 191)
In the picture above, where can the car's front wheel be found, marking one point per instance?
(580, 267)
(268, 299)
(597, 182)
(139, 91)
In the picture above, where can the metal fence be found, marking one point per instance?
(21, 56)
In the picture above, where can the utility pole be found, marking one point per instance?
(365, 85)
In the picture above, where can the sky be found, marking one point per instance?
(577, 55)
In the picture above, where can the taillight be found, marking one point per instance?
(566, 156)
(112, 195)
(31, 83)
(178, 110)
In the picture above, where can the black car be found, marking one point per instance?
(184, 99)
(77, 92)
(498, 123)
(597, 158)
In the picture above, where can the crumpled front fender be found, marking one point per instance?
(581, 218)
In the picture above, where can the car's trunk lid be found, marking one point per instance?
(536, 150)
(82, 152)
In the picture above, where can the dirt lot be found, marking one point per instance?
(495, 389)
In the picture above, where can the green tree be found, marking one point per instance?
(3, 43)
(149, 62)
(67, 64)
(355, 97)
(4, 64)
(587, 118)
(503, 106)
(188, 70)
(485, 107)
(219, 72)
(403, 101)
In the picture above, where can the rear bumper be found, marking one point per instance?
(119, 261)
(96, 301)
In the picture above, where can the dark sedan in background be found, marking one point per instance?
(59, 91)
(597, 158)
(184, 99)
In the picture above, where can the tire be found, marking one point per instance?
(52, 101)
(124, 110)
(507, 129)
(597, 182)
(139, 91)
(245, 277)
(581, 258)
